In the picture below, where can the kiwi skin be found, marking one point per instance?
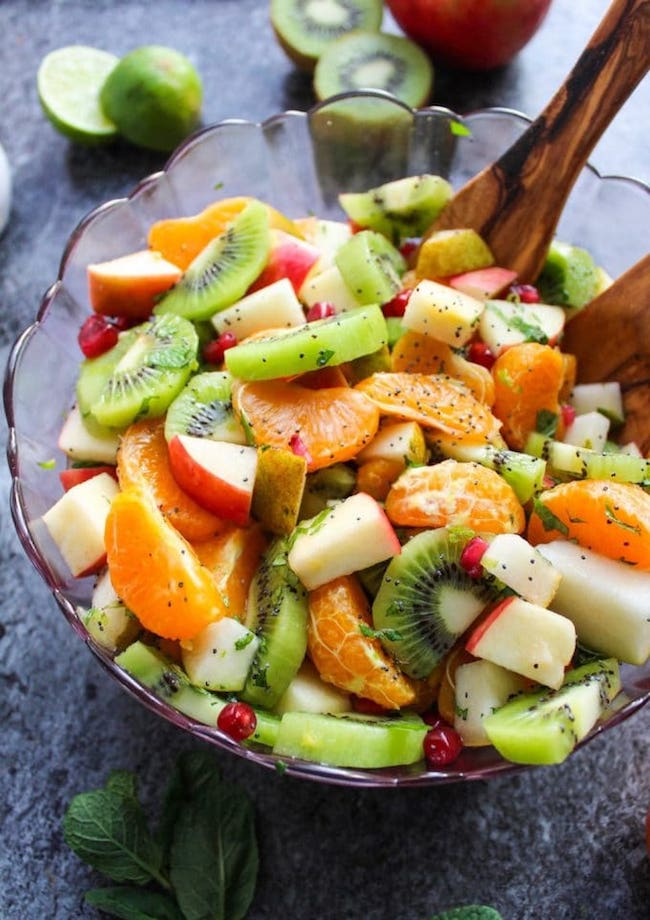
(362, 14)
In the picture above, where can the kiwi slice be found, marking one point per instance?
(203, 409)
(569, 277)
(277, 612)
(371, 267)
(400, 209)
(140, 375)
(325, 342)
(351, 740)
(224, 270)
(427, 600)
(375, 60)
(305, 28)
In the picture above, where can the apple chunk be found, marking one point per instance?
(76, 523)
(527, 639)
(521, 567)
(442, 312)
(349, 536)
(290, 258)
(129, 285)
(220, 476)
(483, 283)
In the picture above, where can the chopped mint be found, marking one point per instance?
(458, 129)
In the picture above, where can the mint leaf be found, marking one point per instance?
(549, 520)
(193, 770)
(214, 858)
(546, 422)
(108, 830)
(134, 904)
(122, 782)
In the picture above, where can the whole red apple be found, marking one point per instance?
(470, 34)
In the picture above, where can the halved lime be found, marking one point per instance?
(69, 81)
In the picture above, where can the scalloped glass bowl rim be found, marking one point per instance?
(473, 764)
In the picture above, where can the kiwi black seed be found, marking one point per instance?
(305, 28)
(203, 409)
(375, 60)
(427, 600)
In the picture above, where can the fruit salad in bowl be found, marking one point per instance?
(325, 489)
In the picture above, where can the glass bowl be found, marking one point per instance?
(298, 162)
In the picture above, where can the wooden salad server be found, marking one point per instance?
(610, 337)
(515, 203)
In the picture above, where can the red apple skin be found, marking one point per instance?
(291, 258)
(476, 636)
(130, 285)
(217, 495)
(470, 34)
(76, 474)
(483, 282)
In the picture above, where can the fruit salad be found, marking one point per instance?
(340, 493)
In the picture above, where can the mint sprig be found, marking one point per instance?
(202, 862)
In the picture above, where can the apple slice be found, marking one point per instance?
(527, 639)
(521, 567)
(347, 537)
(290, 258)
(599, 397)
(607, 600)
(444, 313)
(588, 430)
(308, 692)
(504, 323)
(109, 622)
(327, 236)
(481, 687)
(129, 285)
(328, 287)
(483, 283)
(218, 475)
(74, 475)
(220, 656)
(79, 444)
(76, 523)
(273, 306)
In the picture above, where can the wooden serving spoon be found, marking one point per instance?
(515, 203)
(611, 340)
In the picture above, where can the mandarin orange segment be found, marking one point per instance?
(610, 518)
(347, 658)
(415, 353)
(528, 379)
(454, 494)
(143, 462)
(233, 557)
(435, 401)
(331, 425)
(155, 571)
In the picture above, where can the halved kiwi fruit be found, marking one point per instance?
(305, 28)
(371, 267)
(375, 60)
(140, 375)
(203, 409)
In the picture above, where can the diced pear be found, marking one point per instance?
(481, 687)
(109, 622)
(220, 656)
(307, 692)
(273, 306)
(440, 311)
(521, 567)
(403, 441)
(589, 430)
(504, 323)
(601, 397)
(329, 287)
(452, 252)
(279, 488)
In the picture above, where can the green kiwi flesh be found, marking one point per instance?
(371, 267)
(375, 60)
(569, 277)
(140, 376)
(305, 28)
(351, 740)
(322, 343)
(426, 599)
(277, 613)
(203, 409)
(400, 209)
(224, 270)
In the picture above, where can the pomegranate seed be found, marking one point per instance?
(97, 335)
(237, 720)
(480, 353)
(367, 707)
(408, 247)
(470, 558)
(442, 746)
(299, 447)
(124, 322)
(527, 293)
(568, 414)
(397, 305)
(434, 719)
(320, 310)
(214, 351)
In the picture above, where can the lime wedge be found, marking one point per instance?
(69, 82)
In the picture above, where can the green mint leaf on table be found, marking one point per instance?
(134, 904)
(108, 830)
(214, 858)
(193, 770)
(469, 912)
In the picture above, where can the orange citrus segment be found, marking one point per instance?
(415, 353)
(155, 571)
(435, 401)
(453, 494)
(611, 518)
(331, 424)
(233, 557)
(527, 381)
(347, 658)
(143, 462)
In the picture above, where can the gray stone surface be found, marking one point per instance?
(550, 844)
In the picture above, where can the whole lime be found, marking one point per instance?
(153, 95)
